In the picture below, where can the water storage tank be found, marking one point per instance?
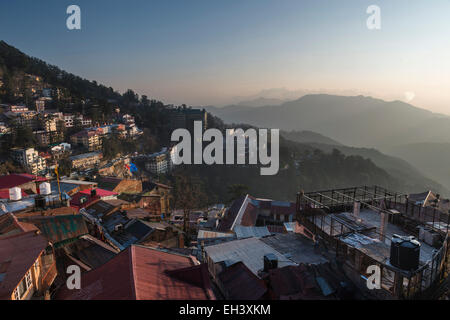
(15, 194)
(270, 262)
(40, 202)
(405, 252)
(45, 189)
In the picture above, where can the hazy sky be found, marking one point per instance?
(209, 51)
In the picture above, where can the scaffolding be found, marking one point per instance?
(358, 245)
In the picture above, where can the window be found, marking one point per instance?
(16, 294)
(23, 286)
(28, 280)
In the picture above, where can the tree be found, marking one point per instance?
(130, 97)
(111, 147)
(189, 195)
(64, 167)
(24, 137)
(8, 167)
(145, 101)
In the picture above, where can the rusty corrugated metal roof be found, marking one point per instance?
(59, 228)
(142, 273)
(17, 255)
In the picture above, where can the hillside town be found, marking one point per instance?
(89, 194)
(116, 218)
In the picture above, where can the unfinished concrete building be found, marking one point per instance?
(361, 227)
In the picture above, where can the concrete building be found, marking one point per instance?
(70, 120)
(158, 163)
(29, 158)
(46, 138)
(86, 160)
(89, 139)
(370, 225)
(185, 117)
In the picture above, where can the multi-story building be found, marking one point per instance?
(158, 163)
(132, 131)
(185, 117)
(46, 138)
(128, 119)
(18, 109)
(3, 128)
(91, 140)
(49, 123)
(85, 122)
(86, 160)
(41, 103)
(29, 158)
(27, 119)
(70, 119)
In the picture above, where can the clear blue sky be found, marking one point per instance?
(209, 51)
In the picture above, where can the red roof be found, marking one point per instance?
(293, 283)
(15, 180)
(17, 255)
(240, 283)
(75, 202)
(100, 192)
(249, 216)
(142, 273)
(275, 209)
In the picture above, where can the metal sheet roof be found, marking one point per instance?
(249, 232)
(250, 251)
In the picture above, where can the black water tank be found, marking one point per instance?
(39, 202)
(405, 252)
(270, 262)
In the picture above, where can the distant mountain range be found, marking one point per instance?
(309, 137)
(394, 127)
(356, 121)
(432, 158)
(307, 123)
(262, 102)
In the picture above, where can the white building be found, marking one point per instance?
(158, 163)
(69, 120)
(29, 158)
(127, 119)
